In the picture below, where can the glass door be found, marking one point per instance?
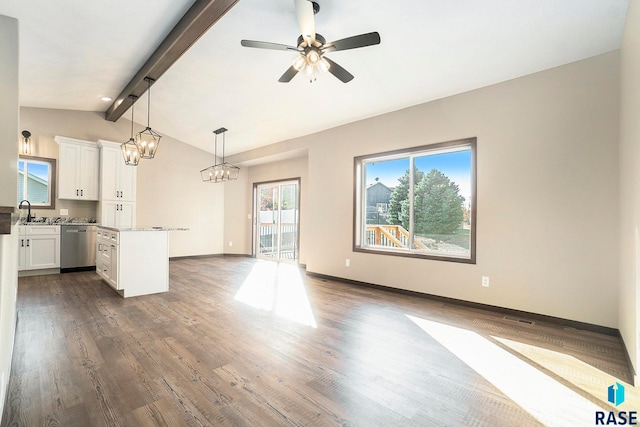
(277, 223)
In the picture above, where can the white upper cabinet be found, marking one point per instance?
(117, 207)
(118, 180)
(78, 163)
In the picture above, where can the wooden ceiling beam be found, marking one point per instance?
(197, 21)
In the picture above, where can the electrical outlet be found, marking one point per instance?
(230, 243)
(64, 212)
(347, 262)
(485, 281)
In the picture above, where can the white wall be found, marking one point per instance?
(9, 181)
(547, 193)
(630, 183)
(169, 189)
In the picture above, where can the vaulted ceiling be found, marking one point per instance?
(73, 53)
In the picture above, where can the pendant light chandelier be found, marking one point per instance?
(148, 140)
(222, 171)
(130, 150)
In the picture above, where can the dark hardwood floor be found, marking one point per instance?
(239, 341)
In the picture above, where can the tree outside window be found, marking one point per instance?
(428, 195)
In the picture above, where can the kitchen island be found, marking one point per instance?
(133, 261)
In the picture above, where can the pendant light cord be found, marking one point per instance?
(133, 104)
(148, 100)
(149, 80)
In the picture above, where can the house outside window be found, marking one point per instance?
(36, 177)
(418, 202)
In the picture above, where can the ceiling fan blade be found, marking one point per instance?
(306, 20)
(267, 45)
(288, 75)
(343, 75)
(354, 42)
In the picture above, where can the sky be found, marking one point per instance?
(455, 165)
(37, 169)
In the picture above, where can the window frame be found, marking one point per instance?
(359, 199)
(52, 181)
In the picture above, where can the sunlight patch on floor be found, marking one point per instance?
(277, 287)
(546, 399)
(575, 371)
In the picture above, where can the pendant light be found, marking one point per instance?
(130, 150)
(222, 171)
(148, 140)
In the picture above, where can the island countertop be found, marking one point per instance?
(125, 229)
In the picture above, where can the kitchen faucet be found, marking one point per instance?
(28, 207)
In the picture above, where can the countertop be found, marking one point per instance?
(121, 229)
(58, 221)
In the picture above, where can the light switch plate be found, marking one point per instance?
(64, 211)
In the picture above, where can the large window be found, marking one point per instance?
(418, 202)
(36, 181)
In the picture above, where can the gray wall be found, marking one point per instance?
(547, 193)
(9, 180)
(630, 183)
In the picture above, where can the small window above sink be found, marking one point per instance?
(36, 181)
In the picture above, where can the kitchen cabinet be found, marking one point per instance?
(117, 214)
(107, 257)
(78, 165)
(117, 180)
(38, 247)
(117, 206)
(133, 262)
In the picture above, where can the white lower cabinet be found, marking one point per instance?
(107, 256)
(38, 247)
(118, 214)
(133, 262)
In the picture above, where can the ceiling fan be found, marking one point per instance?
(312, 46)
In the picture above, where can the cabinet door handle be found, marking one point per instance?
(22, 243)
(99, 247)
(27, 242)
(77, 192)
(81, 192)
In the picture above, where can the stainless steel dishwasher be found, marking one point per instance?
(77, 247)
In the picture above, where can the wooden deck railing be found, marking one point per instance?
(390, 236)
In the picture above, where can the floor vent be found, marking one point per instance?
(519, 320)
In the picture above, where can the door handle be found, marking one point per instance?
(22, 243)
(77, 192)
(27, 242)
(81, 192)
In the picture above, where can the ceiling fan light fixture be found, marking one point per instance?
(323, 65)
(300, 62)
(313, 57)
